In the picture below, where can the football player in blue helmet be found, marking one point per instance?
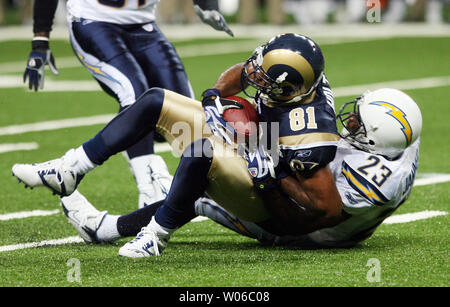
(374, 180)
(285, 70)
(211, 163)
(122, 47)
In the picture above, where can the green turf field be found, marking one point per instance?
(204, 253)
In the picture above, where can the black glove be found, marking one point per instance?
(40, 56)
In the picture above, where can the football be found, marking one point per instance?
(245, 121)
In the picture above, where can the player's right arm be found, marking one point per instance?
(304, 204)
(41, 55)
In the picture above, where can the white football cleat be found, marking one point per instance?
(83, 216)
(146, 244)
(56, 175)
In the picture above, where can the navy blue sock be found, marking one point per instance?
(189, 183)
(130, 225)
(127, 128)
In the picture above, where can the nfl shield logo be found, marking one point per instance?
(253, 171)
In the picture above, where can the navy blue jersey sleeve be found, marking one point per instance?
(43, 15)
(308, 159)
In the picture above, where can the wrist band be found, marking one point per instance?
(40, 38)
(211, 92)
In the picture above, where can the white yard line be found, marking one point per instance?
(411, 217)
(25, 214)
(427, 179)
(18, 146)
(187, 51)
(103, 119)
(199, 30)
(92, 86)
(396, 219)
(398, 84)
(68, 240)
(56, 124)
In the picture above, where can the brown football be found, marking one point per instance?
(245, 121)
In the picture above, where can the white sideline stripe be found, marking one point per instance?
(396, 219)
(92, 86)
(25, 214)
(185, 32)
(183, 51)
(411, 217)
(103, 119)
(56, 124)
(431, 179)
(68, 240)
(400, 84)
(18, 146)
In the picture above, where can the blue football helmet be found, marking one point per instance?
(285, 70)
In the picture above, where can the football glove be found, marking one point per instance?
(214, 19)
(214, 106)
(40, 56)
(262, 169)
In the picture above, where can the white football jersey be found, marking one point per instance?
(113, 11)
(371, 188)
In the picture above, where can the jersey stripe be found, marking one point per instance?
(363, 186)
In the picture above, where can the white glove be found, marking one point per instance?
(214, 19)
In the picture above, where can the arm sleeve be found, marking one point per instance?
(306, 160)
(207, 4)
(43, 14)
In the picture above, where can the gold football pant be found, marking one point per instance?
(181, 122)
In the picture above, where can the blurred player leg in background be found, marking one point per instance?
(396, 11)
(275, 12)
(247, 11)
(308, 12)
(355, 10)
(177, 11)
(433, 11)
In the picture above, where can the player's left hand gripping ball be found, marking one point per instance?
(40, 56)
(214, 107)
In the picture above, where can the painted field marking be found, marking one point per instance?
(411, 217)
(105, 118)
(183, 32)
(398, 84)
(56, 124)
(187, 51)
(431, 178)
(396, 219)
(68, 240)
(25, 214)
(18, 146)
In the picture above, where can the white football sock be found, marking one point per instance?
(107, 232)
(158, 165)
(79, 161)
(160, 230)
(140, 167)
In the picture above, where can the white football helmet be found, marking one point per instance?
(387, 122)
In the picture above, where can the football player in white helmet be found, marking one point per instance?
(374, 170)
